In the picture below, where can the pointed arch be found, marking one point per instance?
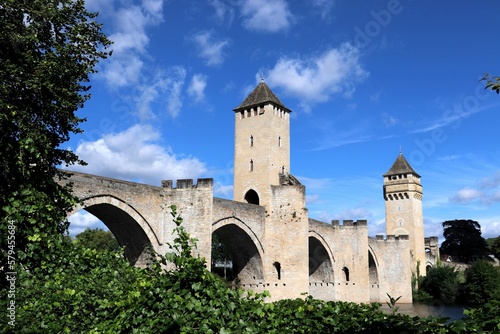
(320, 259)
(245, 248)
(128, 226)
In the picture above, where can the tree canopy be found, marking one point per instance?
(463, 239)
(482, 282)
(494, 246)
(97, 239)
(48, 49)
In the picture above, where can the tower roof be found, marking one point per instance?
(401, 166)
(261, 94)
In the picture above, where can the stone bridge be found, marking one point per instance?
(278, 249)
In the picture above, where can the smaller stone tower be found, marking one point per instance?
(403, 208)
(262, 145)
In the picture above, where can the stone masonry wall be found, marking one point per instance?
(392, 256)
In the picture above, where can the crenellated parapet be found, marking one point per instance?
(391, 238)
(350, 223)
(188, 183)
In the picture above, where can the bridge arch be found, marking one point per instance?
(245, 248)
(129, 227)
(373, 268)
(320, 259)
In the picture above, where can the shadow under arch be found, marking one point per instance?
(320, 259)
(373, 276)
(128, 226)
(245, 248)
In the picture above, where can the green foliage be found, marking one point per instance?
(82, 290)
(463, 239)
(97, 239)
(494, 246)
(392, 303)
(221, 255)
(485, 318)
(47, 51)
(482, 283)
(492, 82)
(441, 283)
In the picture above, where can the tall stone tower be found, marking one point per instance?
(403, 208)
(262, 176)
(262, 145)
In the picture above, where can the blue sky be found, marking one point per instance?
(363, 79)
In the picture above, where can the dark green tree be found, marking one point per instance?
(441, 283)
(463, 239)
(221, 256)
(48, 49)
(482, 283)
(492, 82)
(97, 239)
(495, 247)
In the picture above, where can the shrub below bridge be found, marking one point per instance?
(80, 290)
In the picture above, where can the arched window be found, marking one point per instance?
(252, 197)
(251, 166)
(279, 141)
(251, 141)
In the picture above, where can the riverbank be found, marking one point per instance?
(438, 309)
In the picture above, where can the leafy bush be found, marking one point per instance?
(79, 290)
(441, 283)
(482, 283)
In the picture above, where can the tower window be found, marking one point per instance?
(252, 197)
(251, 141)
(279, 141)
(251, 166)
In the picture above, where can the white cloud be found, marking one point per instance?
(266, 15)
(490, 228)
(466, 195)
(81, 220)
(136, 155)
(223, 11)
(196, 88)
(324, 8)
(210, 49)
(318, 78)
(353, 214)
(225, 191)
(164, 88)
(389, 120)
(174, 100)
(491, 182)
(118, 73)
(486, 192)
(130, 40)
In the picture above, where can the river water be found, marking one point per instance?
(439, 309)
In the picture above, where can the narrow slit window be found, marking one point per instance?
(346, 273)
